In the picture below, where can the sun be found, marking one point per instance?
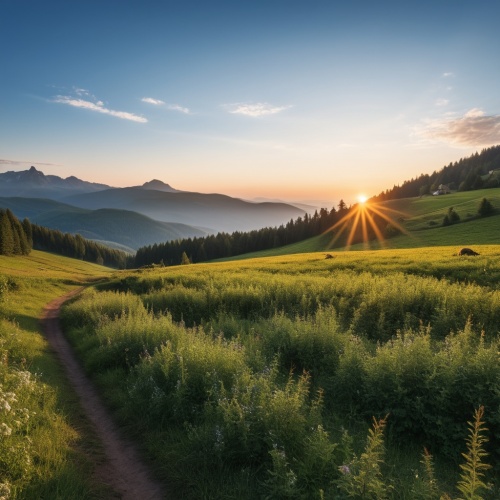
(366, 221)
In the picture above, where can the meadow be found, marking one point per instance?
(420, 220)
(363, 375)
(47, 450)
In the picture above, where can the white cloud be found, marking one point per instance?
(176, 107)
(474, 113)
(442, 102)
(474, 128)
(448, 74)
(96, 105)
(254, 109)
(150, 100)
(171, 107)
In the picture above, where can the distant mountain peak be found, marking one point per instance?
(33, 176)
(34, 183)
(158, 185)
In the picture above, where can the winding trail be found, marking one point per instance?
(122, 470)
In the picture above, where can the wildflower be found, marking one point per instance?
(10, 396)
(344, 469)
(5, 430)
(4, 491)
(4, 405)
(24, 377)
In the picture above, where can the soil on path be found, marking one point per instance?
(122, 470)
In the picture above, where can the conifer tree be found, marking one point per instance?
(28, 231)
(6, 235)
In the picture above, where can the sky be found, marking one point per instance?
(281, 99)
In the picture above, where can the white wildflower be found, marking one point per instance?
(4, 491)
(5, 430)
(4, 405)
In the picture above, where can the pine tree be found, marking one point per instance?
(28, 231)
(485, 208)
(6, 235)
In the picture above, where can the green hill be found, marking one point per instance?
(421, 218)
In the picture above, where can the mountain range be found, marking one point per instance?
(132, 216)
(34, 183)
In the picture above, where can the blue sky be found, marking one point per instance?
(280, 99)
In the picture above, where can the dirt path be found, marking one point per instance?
(122, 470)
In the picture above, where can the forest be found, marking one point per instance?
(479, 171)
(223, 245)
(18, 238)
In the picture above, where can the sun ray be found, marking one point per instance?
(363, 223)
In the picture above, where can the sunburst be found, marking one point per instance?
(366, 221)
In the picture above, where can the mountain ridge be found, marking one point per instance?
(155, 199)
(121, 227)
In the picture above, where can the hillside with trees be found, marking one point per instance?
(19, 238)
(223, 245)
(479, 171)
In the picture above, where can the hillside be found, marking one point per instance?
(50, 451)
(422, 218)
(118, 228)
(480, 170)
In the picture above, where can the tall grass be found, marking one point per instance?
(251, 371)
(44, 443)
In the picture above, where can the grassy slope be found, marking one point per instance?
(421, 218)
(63, 443)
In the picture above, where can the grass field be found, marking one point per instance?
(261, 376)
(46, 450)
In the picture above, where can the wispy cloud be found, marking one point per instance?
(181, 109)
(19, 163)
(155, 102)
(474, 128)
(448, 74)
(171, 107)
(83, 99)
(254, 109)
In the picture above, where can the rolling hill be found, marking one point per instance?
(215, 211)
(421, 218)
(121, 229)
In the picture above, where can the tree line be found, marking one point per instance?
(18, 238)
(466, 174)
(222, 245)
